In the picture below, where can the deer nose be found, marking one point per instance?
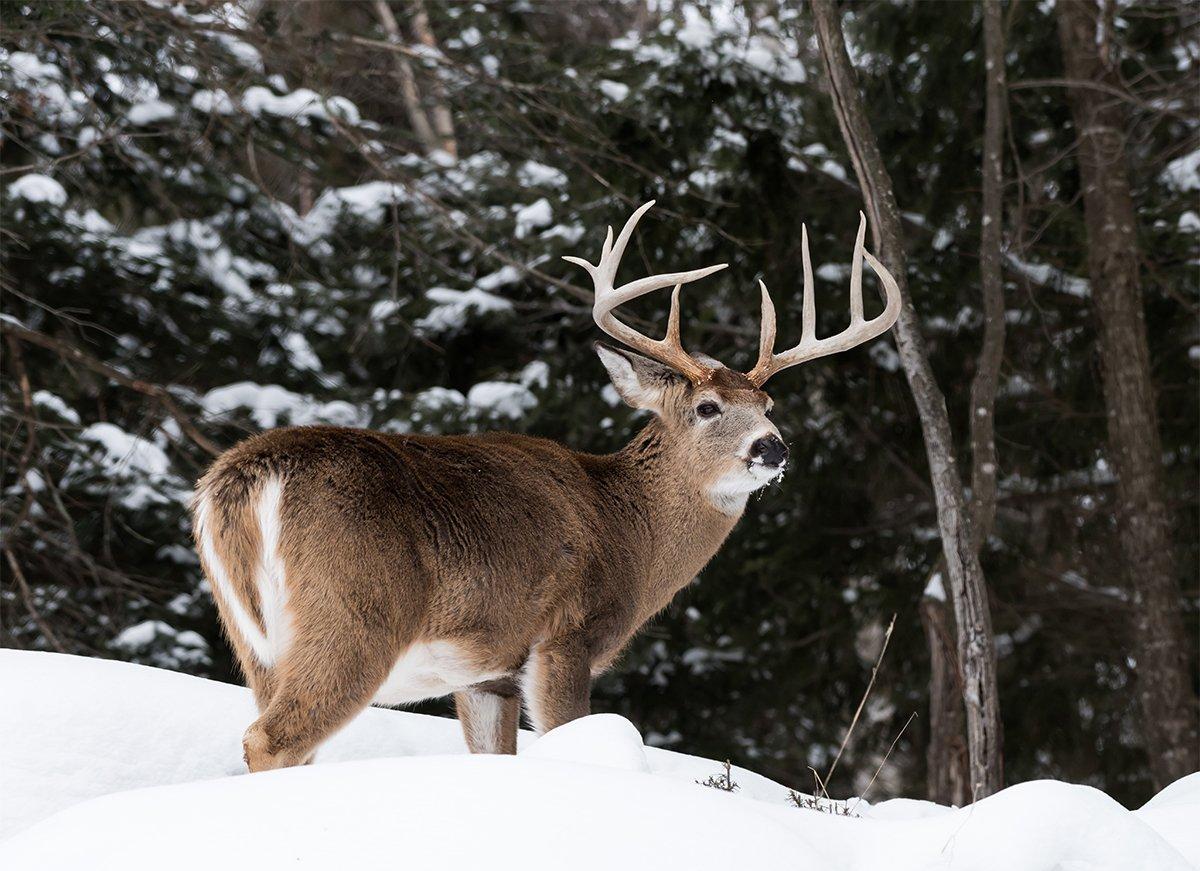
(770, 450)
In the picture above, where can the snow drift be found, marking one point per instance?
(112, 765)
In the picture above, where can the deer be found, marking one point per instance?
(352, 567)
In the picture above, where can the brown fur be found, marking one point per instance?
(535, 561)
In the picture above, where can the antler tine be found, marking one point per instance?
(809, 346)
(667, 350)
(766, 331)
(808, 314)
(856, 300)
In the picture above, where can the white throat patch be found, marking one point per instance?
(729, 494)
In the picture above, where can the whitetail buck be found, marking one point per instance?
(353, 567)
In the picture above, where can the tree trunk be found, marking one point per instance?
(409, 93)
(946, 757)
(987, 375)
(443, 119)
(946, 761)
(1164, 687)
(976, 651)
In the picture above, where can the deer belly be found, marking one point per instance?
(429, 670)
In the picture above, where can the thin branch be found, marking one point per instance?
(27, 598)
(887, 636)
(886, 756)
(71, 352)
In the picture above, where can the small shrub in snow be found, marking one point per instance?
(723, 781)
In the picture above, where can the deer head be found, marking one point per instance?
(719, 416)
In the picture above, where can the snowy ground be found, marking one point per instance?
(111, 765)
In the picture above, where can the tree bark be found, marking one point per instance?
(946, 757)
(1165, 692)
(946, 761)
(409, 93)
(991, 354)
(976, 650)
(443, 119)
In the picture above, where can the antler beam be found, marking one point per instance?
(809, 346)
(667, 350)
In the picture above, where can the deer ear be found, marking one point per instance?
(640, 381)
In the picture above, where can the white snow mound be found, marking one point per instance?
(108, 765)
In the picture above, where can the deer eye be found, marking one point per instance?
(708, 409)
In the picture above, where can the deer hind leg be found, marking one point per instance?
(323, 682)
(557, 683)
(259, 677)
(490, 715)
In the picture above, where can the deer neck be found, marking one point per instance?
(686, 527)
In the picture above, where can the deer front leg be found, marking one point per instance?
(490, 715)
(557, 683)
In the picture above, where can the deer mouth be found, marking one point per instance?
(762, 472)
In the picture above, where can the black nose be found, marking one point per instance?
(770, 450)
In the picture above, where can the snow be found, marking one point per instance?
(42, 81)
(837, 272)
(1183, 173)
(369, 202)
(300, 353)
(454, 307)
(31, 68)
(163, 644)
(935, 589)
(215, 102)
(1050, 276)
(534, 174)
(54, 403)
(123, 452)
(501, 399)
(132, 469)
(37, 188)
(149, 112)
(615, 91)
(110, 765)
(884, 356)
(299, 105)
(696, 32)
(537, 214)
(269, 405)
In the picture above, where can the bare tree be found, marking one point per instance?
(946, 756)
(443, 120)
(968, 590)
(947, 765)
(409, 92)
(987, 375)
(1168, 702)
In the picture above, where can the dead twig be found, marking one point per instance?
(887, 636)
(27, 598)
(883, 762)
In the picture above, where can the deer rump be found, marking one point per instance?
(434, 563)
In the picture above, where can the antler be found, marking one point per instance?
(810, 347)
(666, 350)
